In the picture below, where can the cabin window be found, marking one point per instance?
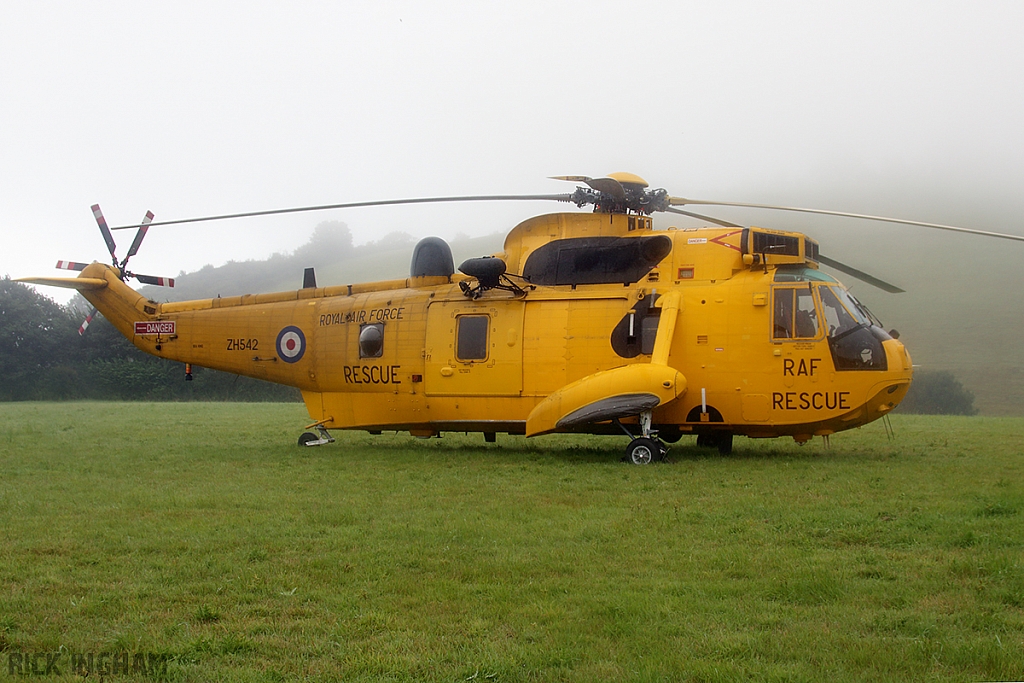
(794, 314)
(471, 337)
(371, 340)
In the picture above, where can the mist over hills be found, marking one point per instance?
(330, 251)
(963, 310)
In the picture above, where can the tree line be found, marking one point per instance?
(43, 358)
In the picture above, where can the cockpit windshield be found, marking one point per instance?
(854, 337)
(865, 310)
(841, 310)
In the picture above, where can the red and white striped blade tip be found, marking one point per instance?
(153, 280)
(85, 323)
(102, 222)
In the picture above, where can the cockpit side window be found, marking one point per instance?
(783, 320)
(806, 317)
(795, 316)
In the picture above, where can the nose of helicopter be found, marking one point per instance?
(888, 393)
(899, 358)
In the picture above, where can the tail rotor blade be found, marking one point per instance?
(107, 237)
(85, 323)
(153, 280)
(139, 236)
(859, 274)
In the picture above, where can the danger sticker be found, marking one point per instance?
(156, 327)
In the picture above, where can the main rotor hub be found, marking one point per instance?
(634, 198)
(617, 193)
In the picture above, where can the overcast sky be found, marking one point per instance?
(195, 108)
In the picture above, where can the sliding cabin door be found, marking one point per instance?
(474, 348)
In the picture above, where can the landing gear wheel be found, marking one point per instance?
(644, 451)
(306, 437)
(724, 442)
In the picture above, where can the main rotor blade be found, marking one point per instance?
(571, 178)
(679, 201)
(102, 222)
(859, 274)
(139, 236)
(356, 205)
(716, 221)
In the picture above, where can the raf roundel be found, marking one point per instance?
(291, 344)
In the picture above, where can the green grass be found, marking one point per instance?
(201, 532)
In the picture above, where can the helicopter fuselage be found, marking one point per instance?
(758, 342)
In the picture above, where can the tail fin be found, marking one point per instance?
(82, 284)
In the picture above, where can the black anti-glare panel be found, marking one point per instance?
(596, 260)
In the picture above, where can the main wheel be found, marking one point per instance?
(643, 451)
(724, 442)
(306, 437)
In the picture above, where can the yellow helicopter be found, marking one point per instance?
(586, 322)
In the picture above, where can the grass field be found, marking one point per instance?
(200, 532)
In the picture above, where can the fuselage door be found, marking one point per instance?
(474, 348)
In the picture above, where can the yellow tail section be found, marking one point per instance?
(101, 286)
(119, 303)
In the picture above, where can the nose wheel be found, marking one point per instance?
(647, 448)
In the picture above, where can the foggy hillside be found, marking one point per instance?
(963, 310)
(330, 251)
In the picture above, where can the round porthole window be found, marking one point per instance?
(371, 340)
